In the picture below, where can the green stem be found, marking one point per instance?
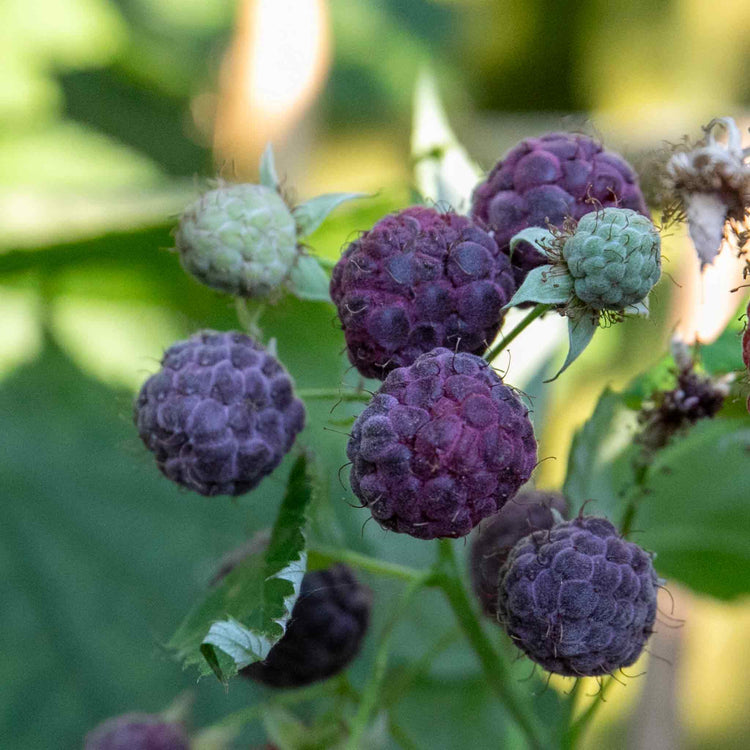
(537, 312)
(332, 393)
(575, 730)
(249, 317)
(497, 672)
(401, 737)
(372, 690)
(325, 555)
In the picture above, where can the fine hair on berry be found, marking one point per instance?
(419, 279)
(220, 414)
(442, 445)
(578, 599)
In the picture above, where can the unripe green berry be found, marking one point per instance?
(614, 258)
(240, 239)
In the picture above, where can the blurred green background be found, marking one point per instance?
(113, 115)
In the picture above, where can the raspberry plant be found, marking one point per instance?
(444, 448)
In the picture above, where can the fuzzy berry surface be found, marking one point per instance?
(578, 599)
(442, 445)
(325, 631)
(547, 179)
(746, 340)
(419, 279)
(137, 732)
(614, 257)
(494, 538)
(220, 414)
(239, 239)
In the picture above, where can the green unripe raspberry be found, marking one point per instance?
(614, 257)
(240, 239)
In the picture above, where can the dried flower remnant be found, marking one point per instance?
(708, 184)
(694, 397)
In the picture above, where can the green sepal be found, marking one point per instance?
(545, 284)
(580, 333)
(534, 236)
(268, 176)
(307, 280)
(311, 214)
(243, 616)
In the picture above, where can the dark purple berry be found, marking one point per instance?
(544, 180)
(495, 537)
(220, 414)
(137, 732)
(442, 445)
(578, 599)
(419, 279)
(324, 634)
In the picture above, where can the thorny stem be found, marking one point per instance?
(332, 393)
(497, 672)
(372, 690)
(537, 312)
(364, 562)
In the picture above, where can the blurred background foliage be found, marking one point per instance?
(113, 115)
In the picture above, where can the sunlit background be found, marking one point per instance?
(115, 113)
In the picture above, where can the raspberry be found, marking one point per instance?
(526, 512)
(328, 622)
(220, 414)
(614, 257)
(578, 599)
(239, 239)
(137, 732)
(442, 445)
(418, 280)
(746, 340)
(545, 180)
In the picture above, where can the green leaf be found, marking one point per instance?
(534, 236)
(245, 614)
(311, 214)
(307, 280)
(695, 514)
(543, 284)
(725, 354)
(600, 467)
(268, 175)
(580, 333)
(443, 169)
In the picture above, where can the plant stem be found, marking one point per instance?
(249, 318)
(401, 737)
(575, 730)
(364, 562)
(333, 393)
(495, 669)
(537, 312)
(372, 690)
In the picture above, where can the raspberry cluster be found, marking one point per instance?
(442, 445)
(419, 279)
(543, 181)
(220, 414)
(577, 598)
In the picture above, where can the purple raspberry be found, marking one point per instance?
(578, 599)
(220, 414)
(137, 732)
(325, 631)
(494, 539)
(442, 445)
(417, 280)
(547, 179)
